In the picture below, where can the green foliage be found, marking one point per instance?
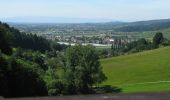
(57, 47)
(20, 78)
(157, 39)
(53, 84)
(165, 42)
(27, 62)
(83, 69)
(3, 79)
(11, 37)
(55, 88)
(38, 67)
(24, 79)
(112, 50)
(137, 46)
(75, 72)
(30, 41)
(32, 56)
(4, 41)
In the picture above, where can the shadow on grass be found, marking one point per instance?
(107, 89)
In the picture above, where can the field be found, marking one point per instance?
(147, 71)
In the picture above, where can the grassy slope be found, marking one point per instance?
(148, 66)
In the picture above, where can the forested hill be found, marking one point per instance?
(23, 63)
(13, 38)
(140, 26)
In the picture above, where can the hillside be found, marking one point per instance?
(141, 26)
(140, 72)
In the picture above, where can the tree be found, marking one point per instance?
(105, 53)
(24, 79)
(5, 41)
(53, 83)
(112, 50)
(20, 78)
(83, 69)
(157, 39)
(4, 89)
(141, 44)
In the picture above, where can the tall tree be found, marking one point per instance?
(112, 50)
(83, 68)
(24, 79)
(158, 38)
(5, 46)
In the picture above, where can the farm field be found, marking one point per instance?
(147, 71)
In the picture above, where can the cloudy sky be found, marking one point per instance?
(120, 10)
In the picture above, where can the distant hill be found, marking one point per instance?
(93, 26)
(140, 26)
(147, 71)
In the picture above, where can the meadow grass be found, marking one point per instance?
(143, 67)
(147, 87)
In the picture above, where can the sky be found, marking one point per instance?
(116, 10)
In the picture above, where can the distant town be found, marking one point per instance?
(102, 40)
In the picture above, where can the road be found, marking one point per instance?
(136, 96)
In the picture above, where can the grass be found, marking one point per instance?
(148, 66)
(147, 87)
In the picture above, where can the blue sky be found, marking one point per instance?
(120, 10)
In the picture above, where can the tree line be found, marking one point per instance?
(135, 46)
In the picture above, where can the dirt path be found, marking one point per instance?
(136, 96)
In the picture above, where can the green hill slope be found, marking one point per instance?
(141, 26)
(140, 72)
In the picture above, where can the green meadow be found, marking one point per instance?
(147, 71)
